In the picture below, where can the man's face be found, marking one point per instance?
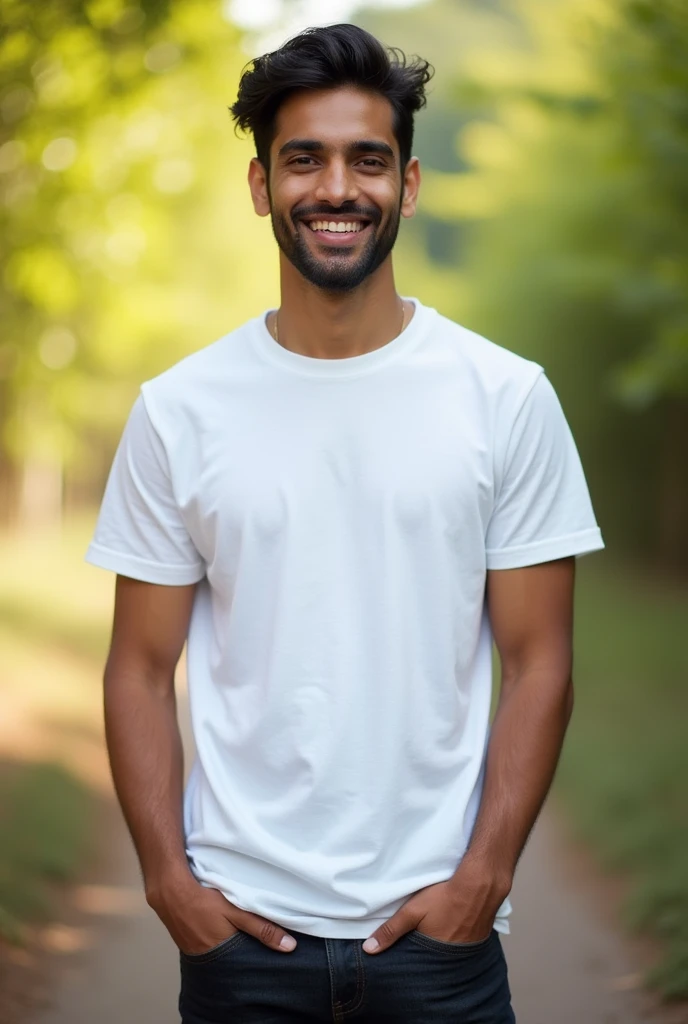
(336, 190)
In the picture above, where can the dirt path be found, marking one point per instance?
(567, 965)
(567, 962)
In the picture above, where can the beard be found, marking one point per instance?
(337, 271)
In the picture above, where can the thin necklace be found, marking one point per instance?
(403, 320)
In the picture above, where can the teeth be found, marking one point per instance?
(335, 226)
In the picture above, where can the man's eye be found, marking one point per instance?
(372, 162)
(303, 160)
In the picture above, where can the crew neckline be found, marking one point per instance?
(350, 366)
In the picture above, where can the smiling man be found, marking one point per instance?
(341, 504)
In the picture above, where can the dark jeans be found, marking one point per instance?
(416, 981)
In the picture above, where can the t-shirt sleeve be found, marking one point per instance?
(140, 531)
(542, 507)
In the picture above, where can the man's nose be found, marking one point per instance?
(336, 184)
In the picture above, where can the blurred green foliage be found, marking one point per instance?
(126, 239)
(583, 266)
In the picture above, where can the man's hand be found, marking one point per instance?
(461, 909)
(199, 918)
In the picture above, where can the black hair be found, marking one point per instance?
(328, 58)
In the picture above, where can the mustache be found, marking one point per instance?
(371, 213)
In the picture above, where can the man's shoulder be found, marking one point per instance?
(488, 365)
(192, 379)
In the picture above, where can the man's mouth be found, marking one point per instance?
(337, 231)
(337, 226)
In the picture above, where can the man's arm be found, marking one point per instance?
(144, 744)
(531, 612)
(142, 733)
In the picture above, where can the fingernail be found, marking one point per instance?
(370, 945)
(287, 942)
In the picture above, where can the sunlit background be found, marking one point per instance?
(553, 219)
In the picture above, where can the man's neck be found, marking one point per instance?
(326, 325)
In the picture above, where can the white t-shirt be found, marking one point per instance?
(339, 516)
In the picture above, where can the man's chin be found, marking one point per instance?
(339, 272)
(333, 283)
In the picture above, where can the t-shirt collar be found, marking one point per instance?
(352, 366)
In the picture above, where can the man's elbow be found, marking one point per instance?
(128, 672)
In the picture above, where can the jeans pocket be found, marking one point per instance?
(230, 943)
(452, 948)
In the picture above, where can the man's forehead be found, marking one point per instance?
(335, 117)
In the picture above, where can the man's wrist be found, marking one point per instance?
(488, 876)
(170, 881)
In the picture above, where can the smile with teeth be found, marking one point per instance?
(337, 226)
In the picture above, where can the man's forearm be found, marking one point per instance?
(147, 763)
(523, 752)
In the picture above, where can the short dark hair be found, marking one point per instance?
(328, 58)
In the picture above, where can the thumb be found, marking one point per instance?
(388, 933)
(267, 932)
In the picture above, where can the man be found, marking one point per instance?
(342, 502)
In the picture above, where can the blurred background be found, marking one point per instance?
(553, 219)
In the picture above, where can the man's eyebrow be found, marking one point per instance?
(307, 145)
(359, 146)
(371, 146)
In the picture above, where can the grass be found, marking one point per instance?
(54, 614)
(44, 836)
(623, 772)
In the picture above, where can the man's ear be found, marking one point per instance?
(258, 184)
(411, 185)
